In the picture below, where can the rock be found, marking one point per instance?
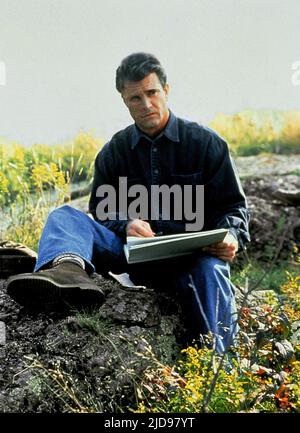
(267, 165)
(131, 307)
(267, 186)
(274, 224)
(2, 334)
(85, 360)
(288, 197)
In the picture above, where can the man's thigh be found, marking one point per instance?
(163, 273)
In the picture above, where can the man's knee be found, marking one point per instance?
(66, 211)
(209, 265)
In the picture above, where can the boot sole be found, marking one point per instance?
(41, 291)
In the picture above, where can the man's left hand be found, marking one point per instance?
(225, 250)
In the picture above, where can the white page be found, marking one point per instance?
(134, 240)
(172, 247)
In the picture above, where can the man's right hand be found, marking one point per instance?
(139, 228)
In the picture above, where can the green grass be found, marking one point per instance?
(263, 275)
(93, 321)
(295, 172)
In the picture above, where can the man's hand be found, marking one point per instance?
(225, 250)
(139, 228)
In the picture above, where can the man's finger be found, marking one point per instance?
(226, 254)
(139, 228)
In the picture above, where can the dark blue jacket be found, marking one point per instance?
(185, 153)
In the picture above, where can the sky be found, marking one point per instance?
(58, 60)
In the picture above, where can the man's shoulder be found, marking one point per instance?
(199, 131)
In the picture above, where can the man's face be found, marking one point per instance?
(147, 103)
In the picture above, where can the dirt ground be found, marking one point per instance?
(66, 361)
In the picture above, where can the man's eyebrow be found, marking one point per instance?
(133, 96)
(152, 89)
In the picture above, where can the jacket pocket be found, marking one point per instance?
(186, 179)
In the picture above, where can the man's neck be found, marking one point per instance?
(157, 132)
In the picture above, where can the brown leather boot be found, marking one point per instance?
(66, 283)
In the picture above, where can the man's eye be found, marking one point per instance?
(152, 92)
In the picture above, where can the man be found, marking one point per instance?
(159, 149)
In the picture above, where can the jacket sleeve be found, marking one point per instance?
(224, 199)
(104, 174)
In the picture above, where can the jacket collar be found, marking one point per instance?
(170, 131)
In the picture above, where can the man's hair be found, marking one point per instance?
(136, 67)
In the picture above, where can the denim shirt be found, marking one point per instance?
(184, 153)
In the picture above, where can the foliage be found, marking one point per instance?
(23, 165)
(251, 133)
(259, 374)
(255, 272)
(35, 180)
(26, 215)
(63, 385)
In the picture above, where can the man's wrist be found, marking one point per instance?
(234, 237)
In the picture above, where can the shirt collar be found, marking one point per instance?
(170, 131)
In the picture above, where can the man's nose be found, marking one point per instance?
(146, 102)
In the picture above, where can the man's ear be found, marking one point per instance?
(166, 89)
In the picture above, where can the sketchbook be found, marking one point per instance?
(167, 246)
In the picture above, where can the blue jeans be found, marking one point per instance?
(201, 282)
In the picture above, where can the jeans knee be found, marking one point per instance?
(65, 211)
(68, 209)
(213, 266)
